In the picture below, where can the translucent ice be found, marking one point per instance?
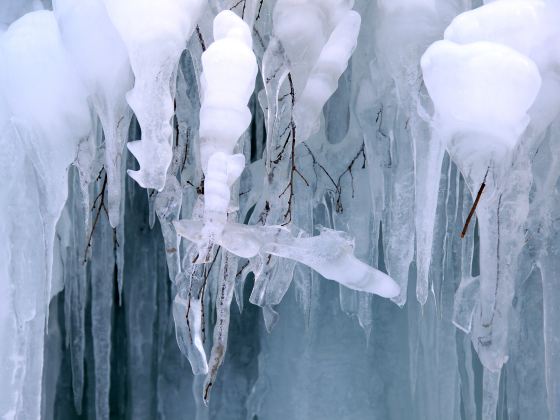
(155, 35)
(102, 60)
(44, 115)
(330, 253)
(483, 90)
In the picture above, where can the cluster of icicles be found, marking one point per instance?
(65, 71)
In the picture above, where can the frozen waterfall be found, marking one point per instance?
(331, 209)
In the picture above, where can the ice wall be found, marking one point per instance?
(374, 183)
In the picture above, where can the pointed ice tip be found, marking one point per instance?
(135, 175)
(140, 177)
(134, 147)
(379, 283)
(391, 289)
(149, 175)
(270, 317)
(399, 300)
(114, 216)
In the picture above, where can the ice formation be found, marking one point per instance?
(405, 150)
(155, 35)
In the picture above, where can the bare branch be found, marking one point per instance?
(259, 12)
(200, 38)
(99, 206)
(474, 206)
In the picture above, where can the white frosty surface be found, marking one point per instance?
(529, 27)
(229, 69)
(227, 82)
(519, 24)
(484, 86)
(39, 83)
(45, 99)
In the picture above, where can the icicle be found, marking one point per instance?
(75, 290)
(427, 173)
(187, 313)
(46, 103)
(490, 393)
(549, 264)
(317, 56)
(226, 285)
(483, 152)
(399, 58)
(155, 35)
(88, 35)
(323, 79)
(103, 266)
(467, 376)
(167, 207)
(398, 232)
(450, 159)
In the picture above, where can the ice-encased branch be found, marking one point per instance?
(330, 253)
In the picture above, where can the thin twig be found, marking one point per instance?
(237, 4)
(474, 206)
(338, 184)
(201, 293)
(259, 12)
(241, 269)
(200, 38)
(293, 170)
(100, 207)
